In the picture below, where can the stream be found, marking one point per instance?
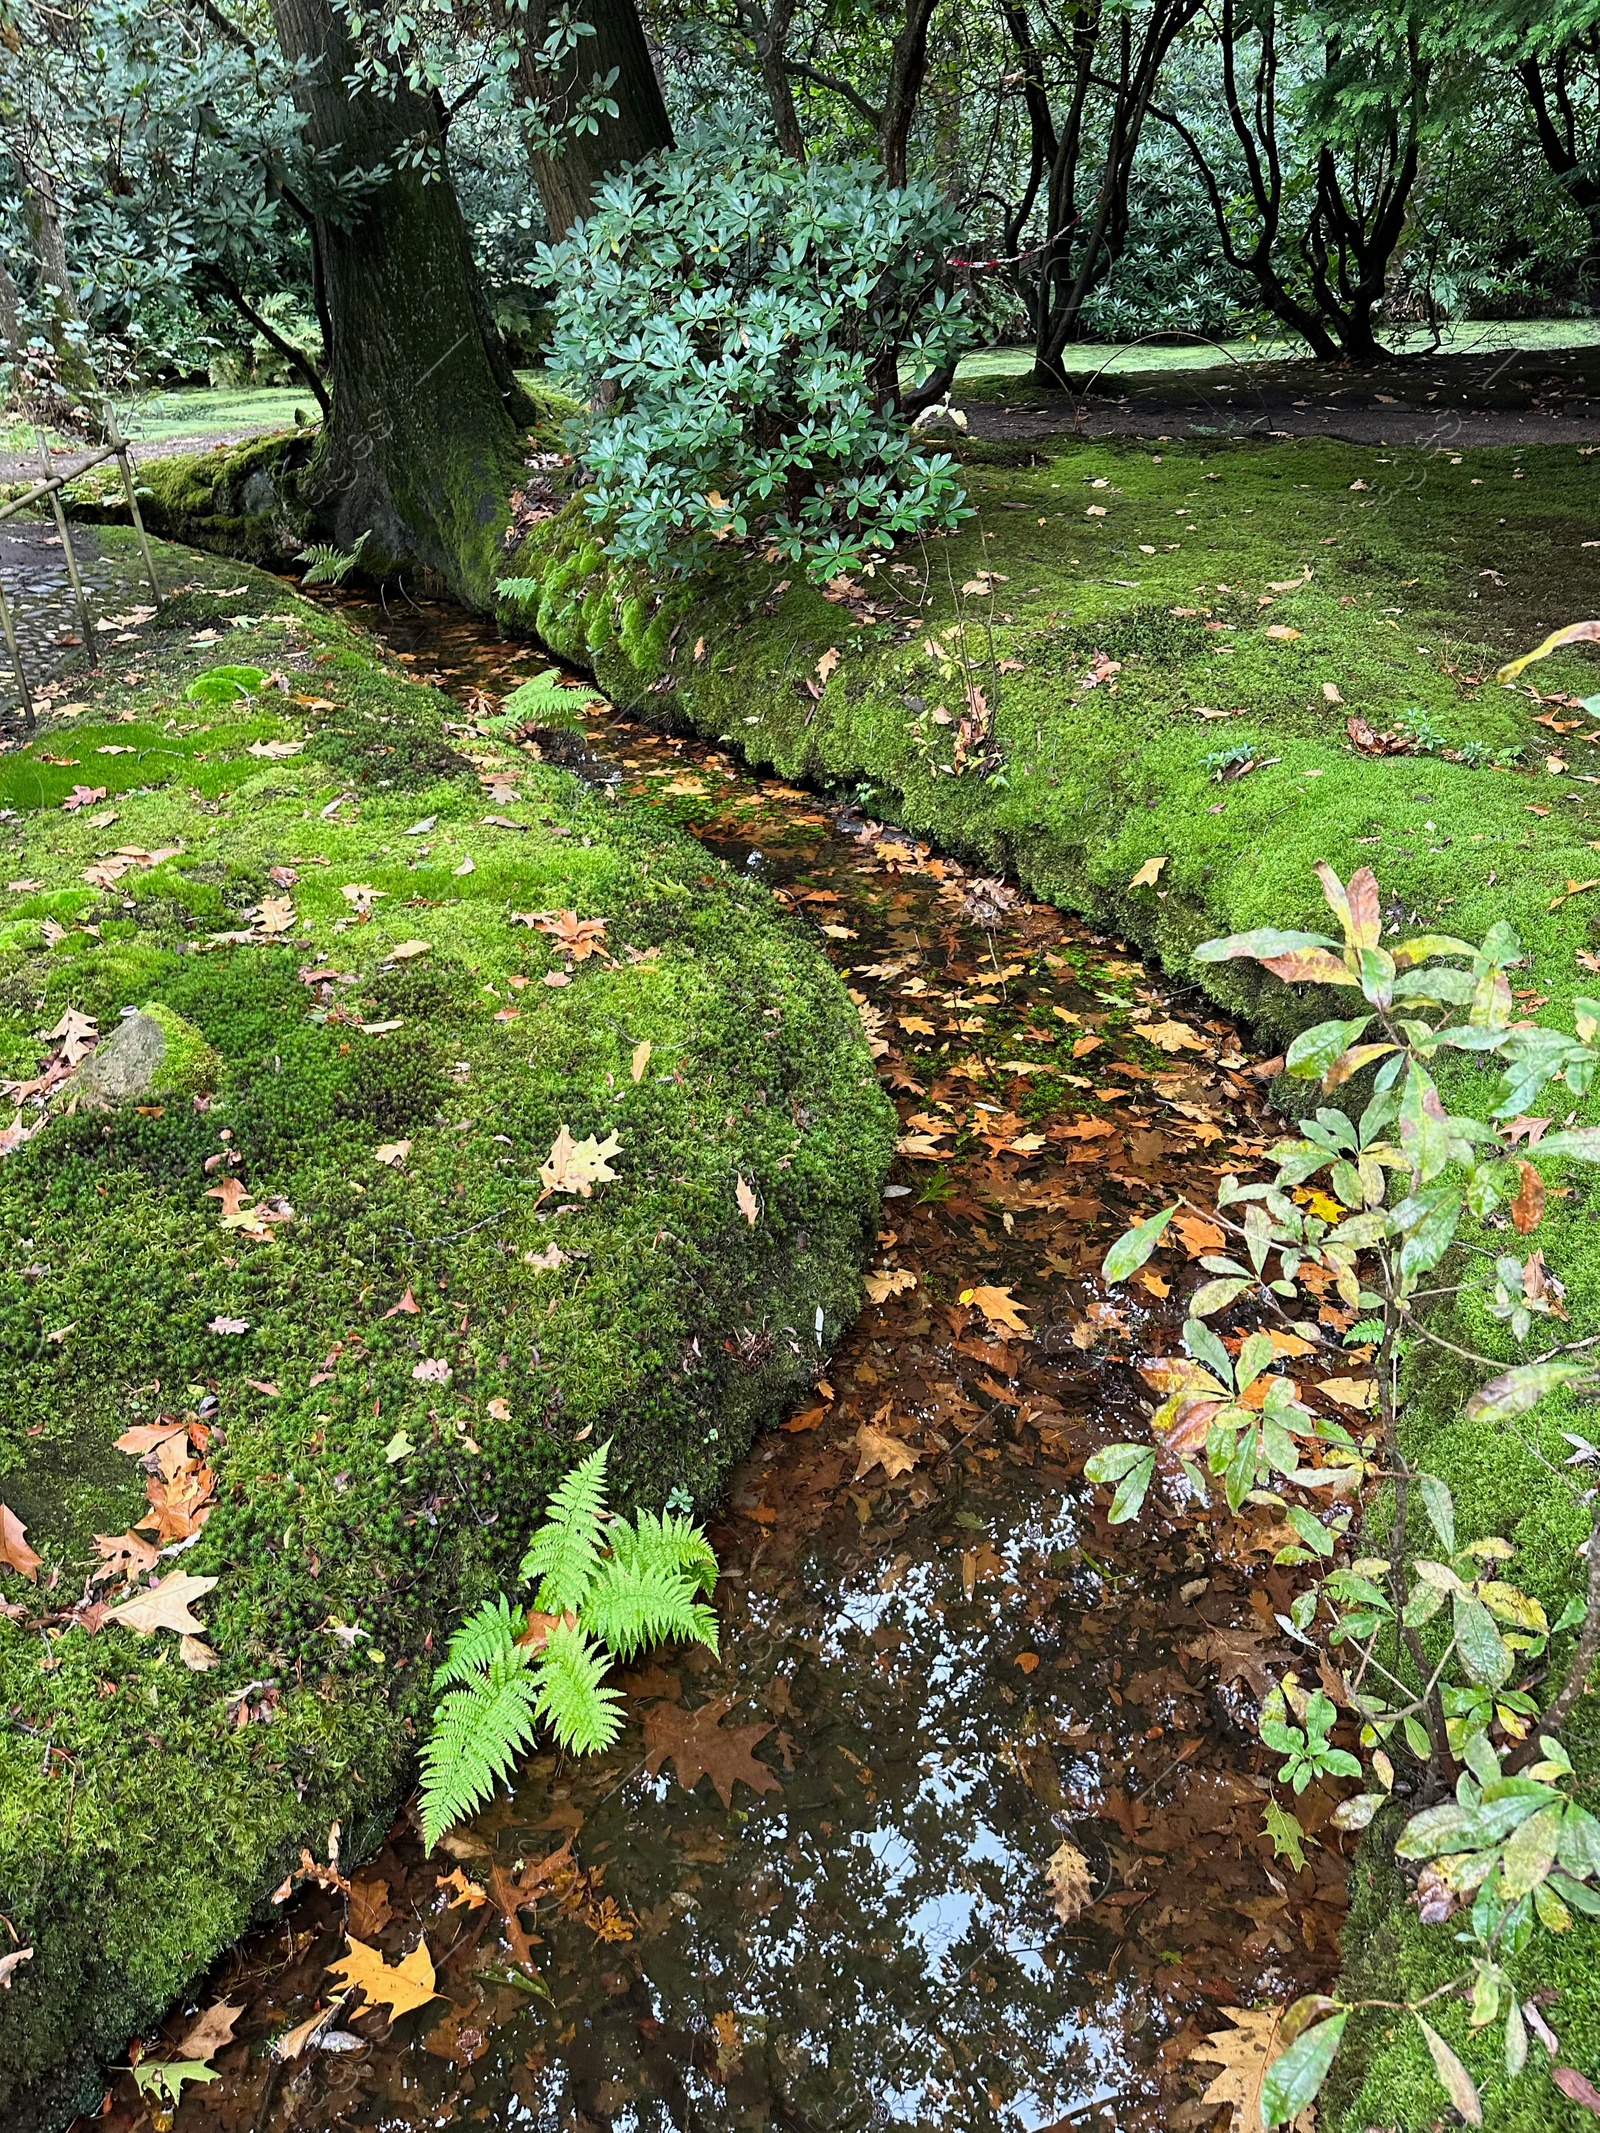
(978, 1843)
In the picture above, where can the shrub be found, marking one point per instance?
(737, 322)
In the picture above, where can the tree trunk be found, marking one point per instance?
(569, 179)
(422, 441)
(63, 321)
(10, 317)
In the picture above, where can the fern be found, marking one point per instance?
(518, 588)
(667, 1538)
(563, 1553)
(489, 1634)
(331, 566)
(632, 1605)
(581, 1712)
(478, 1732)
(623, 1585)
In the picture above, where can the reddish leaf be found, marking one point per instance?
(1527, 1209)
(15, 1554)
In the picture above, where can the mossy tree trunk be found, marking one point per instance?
(421, 444)
(569, 179)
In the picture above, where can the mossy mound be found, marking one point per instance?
(1158, 650)
(337, 1257)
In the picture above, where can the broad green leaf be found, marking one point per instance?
(1458, 2083)
(1441, 1510)
(1355, 904)
(1427, 945)
(1112, 1461)
(1481, 1647)
(1515, 1391)
(1134, 1247)
(1530, 1853)
(1423, 1134)
(1217, 1295)
(1313, 1052)
(1520, 1609)
(1206, 1348)
(1131, 1491)
(1439, 1831)
(1581, 1143)
(1264, 941)
(1310, 1529)
(1579, 1848)
(1358, 1810)
(1295, 2080)
(1516, 2040)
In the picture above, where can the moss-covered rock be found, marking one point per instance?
(319, 1235)
(1143, 652)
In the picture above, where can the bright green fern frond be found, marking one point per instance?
(671, 1542)
(487, 1634)
(573, 1702)
(478, 1733)
(562, 1554)
(331, 566)
(634, 1603)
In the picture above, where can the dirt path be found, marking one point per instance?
(1495, 397)
(24, 466)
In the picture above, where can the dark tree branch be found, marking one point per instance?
(270, 334)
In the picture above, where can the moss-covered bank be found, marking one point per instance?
(393, 1371)
(1157, 650)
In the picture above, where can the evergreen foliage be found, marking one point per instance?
(615, 1586)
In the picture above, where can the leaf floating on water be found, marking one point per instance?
(701, 1746)
(876, 1447)
(1245, 2053)
(209, 2032)
(892, 1281)
(398, 1986)
(999, 1307)
(1070, 1882)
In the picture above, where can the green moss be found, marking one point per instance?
(1252, 599)
(141, 1824)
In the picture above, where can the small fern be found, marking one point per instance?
(478, 1733)
(582, 1713)
(329, 565)
(618, 1586)
(564, 1551)
(485, 1636)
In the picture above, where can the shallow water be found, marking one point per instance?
(939, 1663)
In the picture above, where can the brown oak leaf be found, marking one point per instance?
(701, 1746)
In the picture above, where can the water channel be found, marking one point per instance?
(940, 1665)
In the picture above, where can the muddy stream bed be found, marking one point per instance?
(812, 1886)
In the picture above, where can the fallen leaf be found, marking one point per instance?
(407, 1307)
(15, 1554)
(1280, 633)
(1149, 873)
(370, 1909)
(578, 1166)
(393, 1153)
(1576, 2086)
(827, 663)
(893, 1281)
(749, 1205)
(1069, 1881)
(999, 1307)
(399, 1986)
(274, 751)
(294, 2041)
(875, 1447)
(546, 1261)
(472, 1894)
(1199, 1236)
(701, 1746)
(11, 1964)
(165, 1606)
(408, 951)
(1244, 2053)
(209, 2032)
(640, 1059)
(1527, 1209)
(227, 1325)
